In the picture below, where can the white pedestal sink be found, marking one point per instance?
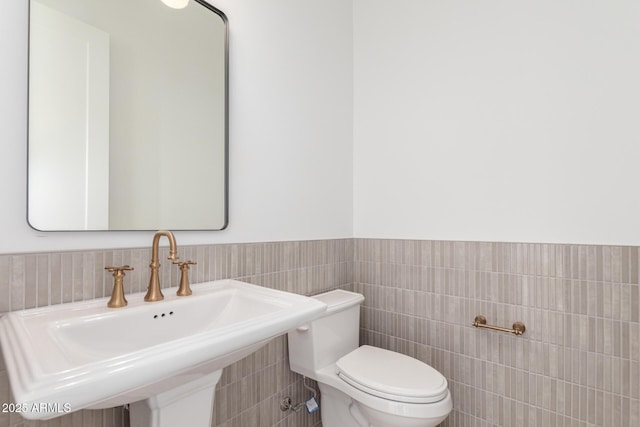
(164, 358)
(190, 404)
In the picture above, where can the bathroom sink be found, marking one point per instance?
(85, 355)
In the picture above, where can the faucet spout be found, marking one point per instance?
(153, 291)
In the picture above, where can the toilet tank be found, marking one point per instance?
(323, 341)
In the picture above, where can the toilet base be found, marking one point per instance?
(381, 419)
(337, 409)
(334, 409)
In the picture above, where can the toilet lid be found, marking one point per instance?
(392, 375)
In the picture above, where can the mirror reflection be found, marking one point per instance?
(127, 115)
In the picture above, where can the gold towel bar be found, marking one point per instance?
(518, 328)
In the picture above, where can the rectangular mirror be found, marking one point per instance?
(128, 106)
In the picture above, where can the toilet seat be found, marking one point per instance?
(392, 376)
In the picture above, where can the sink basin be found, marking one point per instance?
(85, 355)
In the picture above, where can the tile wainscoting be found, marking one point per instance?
(250, 391)
(577, 364)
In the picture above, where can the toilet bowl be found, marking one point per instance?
(364, 386)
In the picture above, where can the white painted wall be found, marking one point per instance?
(290, 128)
(493, 120)
(497, 120)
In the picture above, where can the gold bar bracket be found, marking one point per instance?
(480, 321)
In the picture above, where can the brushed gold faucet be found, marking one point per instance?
(153, 291)
(184, 289)
(117, 295)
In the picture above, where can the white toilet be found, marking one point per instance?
(364, 386)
